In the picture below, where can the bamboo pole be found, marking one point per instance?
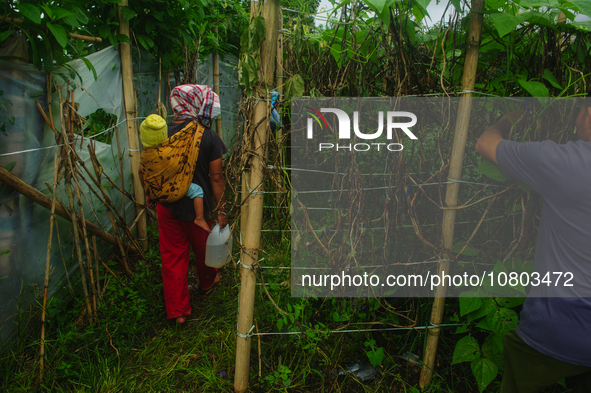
(260, 123)
(245, 182)
(244, 207)
(96, 269)
(160, 107)
(120, 157)
(37, 196)
(279, 78)
(64, 157)
(88, 255)
(216, 86)
(132, 128)
(70, 173)
(453, 188)
(107, 201)
(80, 206)
(47, 269)
(119, 241)
(110, 209)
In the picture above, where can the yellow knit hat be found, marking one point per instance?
(153, 130)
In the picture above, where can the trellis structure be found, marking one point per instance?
(402, 68)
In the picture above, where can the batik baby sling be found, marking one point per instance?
(168, 167)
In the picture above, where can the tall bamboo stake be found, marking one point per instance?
(453, 188)
(120, 156)
(80, 206)
(160, 107)
(96, 262)
(244, 197)
(245, 182)
(88, 255)
(110, 209)
(68, 183)
(81, 210)
(47, 269)
(260, 123)
(279, 78)
(107, 201)
(132, 128)
(76, 231)
(216, 86)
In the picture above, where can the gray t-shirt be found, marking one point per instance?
(555, 320)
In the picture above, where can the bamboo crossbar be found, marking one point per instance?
(39, 198)
(71, 35)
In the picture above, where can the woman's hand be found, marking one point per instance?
(222, 219)
(150, 203)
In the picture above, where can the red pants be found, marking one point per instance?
(176, 240)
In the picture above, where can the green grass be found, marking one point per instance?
(134, 348)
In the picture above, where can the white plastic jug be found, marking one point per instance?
(218, 246)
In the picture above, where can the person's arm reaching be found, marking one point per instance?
(218, 184)
(490, 138)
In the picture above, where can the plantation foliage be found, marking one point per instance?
(370, 48)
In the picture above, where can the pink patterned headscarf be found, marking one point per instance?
(196, 102)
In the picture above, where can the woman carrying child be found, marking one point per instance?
(194, 107)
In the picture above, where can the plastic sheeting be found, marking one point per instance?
(146, 82)
(28, 146)
(229, 96)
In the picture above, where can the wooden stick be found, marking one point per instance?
(47, 270)
(96, 269)
(216, 86)
(136, 247)
(37, 196)
(68, 183)
(244, 199)
(279, 78)
(120, 156)
(108, 202)
(49, 98)
(279, 84)
(76, 230)
(259, 344)
(85, 37)
(160, 79)
(110, 206)
(81, 208)
(132, 128)
(71, 35)
(88, 255)
(94, 250)
(49, 122)
(260, 125)
(453, 188)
